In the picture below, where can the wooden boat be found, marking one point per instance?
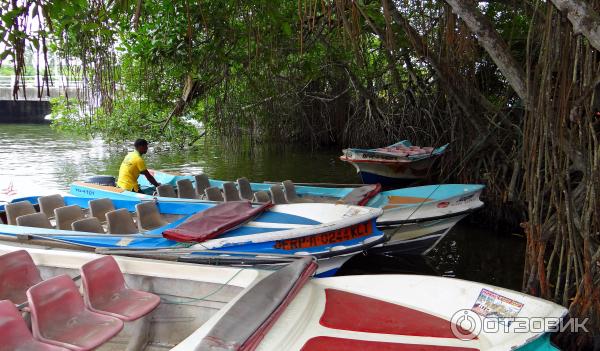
(401, 162)
(185, 307)
(417, 218)
(331, 233)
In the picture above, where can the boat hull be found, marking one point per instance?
(416, 238)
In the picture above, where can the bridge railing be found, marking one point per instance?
(38, 82)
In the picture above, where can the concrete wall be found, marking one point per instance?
(32, 111)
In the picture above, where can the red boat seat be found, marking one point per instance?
(105, 291)
(17, 274)
(14, 332)
(59, 316)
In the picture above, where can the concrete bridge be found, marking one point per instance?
(28, 106)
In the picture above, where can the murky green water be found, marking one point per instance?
(36, 158)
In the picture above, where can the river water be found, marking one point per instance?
(35, 158)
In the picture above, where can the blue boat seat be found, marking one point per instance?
(121, 222)
(213, 194)
(49, 203)
(245, 188)
(148, 216)
(166, 190)
(65, 216)
(90, 225)
(38, 220)
(290, 193)
(202, 182)
(16, 209)
(100, 207)
(231, 192)
(262, 197)
(185, 189)
(277, 195)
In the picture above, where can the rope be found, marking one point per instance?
(190, 300)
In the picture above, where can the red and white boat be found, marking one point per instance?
(180, 306)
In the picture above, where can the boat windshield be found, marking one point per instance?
(249, 319)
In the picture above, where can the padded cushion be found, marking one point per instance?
(214, 221)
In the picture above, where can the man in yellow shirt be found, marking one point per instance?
(133, 164)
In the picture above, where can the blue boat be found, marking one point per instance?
(416, 218)
(394, 164)
(332, 233)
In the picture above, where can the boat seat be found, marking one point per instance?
(202, 182)
(15, 334)
(90, 225)
(277, 194)
(105, 291)
(99, 208)
(49, 203)
(290, 193)
(148, 216)
(18, 273)
(38, 220)
(213, 194)
(245, 188)
(120, 222)
(16, 209)
(59, 316)
(262, 196)
(185, 189)
(166, 190)
(231, 192)
(65, 216)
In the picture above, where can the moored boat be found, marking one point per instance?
(195, 307)
(394, 164)
(331, 233)
(418, 217)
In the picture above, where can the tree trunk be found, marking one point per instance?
(481, 26)
(583, 18)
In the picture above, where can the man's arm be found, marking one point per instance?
(150, 178)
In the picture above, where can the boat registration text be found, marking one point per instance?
(327, 238)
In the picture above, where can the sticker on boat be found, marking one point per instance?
(490, 304)
(327, 238)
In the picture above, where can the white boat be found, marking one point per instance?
(203, 308)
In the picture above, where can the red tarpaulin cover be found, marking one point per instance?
(215, 221)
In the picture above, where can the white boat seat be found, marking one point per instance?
(202, 182)
(148, 216)
(38, 220)
(65, 216)
(90, 225)
(277, 195)
(185, 189)
(49, 203)
(290, 193)
(120, 222)
(16, 209)
(99, 208)
(262, 197)
(245, 188)
(166, 190)
(231, 192)
(213, 194)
